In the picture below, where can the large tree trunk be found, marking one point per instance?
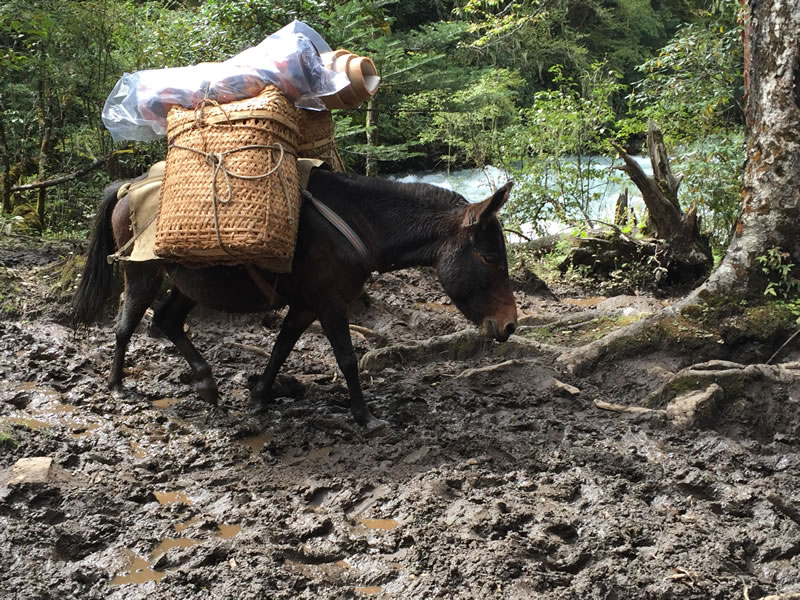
(770, 214)
(770, 210)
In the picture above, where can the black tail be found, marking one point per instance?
(97, 280)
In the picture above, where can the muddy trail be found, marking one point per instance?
(498, 477)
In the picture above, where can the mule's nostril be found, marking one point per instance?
(511, 328)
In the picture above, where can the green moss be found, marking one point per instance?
(693, 311)
(30, 219)
(720, 325)
(542, 334)
(10, 293)
(66, 274)
(579, 335)
(763, 322)
(684, 330)
(7, 440)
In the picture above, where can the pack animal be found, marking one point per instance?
(401, 225)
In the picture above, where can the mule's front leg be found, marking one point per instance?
(296, 322)
(337, 330)
(170, 318)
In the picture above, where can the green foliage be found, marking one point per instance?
(782, 282)
(713, 170)
(534, 36)
(782, 285)
(575, 122)
(529, 37)
(693, 89)
(514, 84)
(695, 82)
(408, 62)
(10, 293)
(7, 440)
(467, 124)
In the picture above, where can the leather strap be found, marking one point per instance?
(343, 228)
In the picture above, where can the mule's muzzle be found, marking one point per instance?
(500, 332)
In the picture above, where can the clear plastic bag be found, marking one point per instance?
(290, 58)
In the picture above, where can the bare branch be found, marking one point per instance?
(62, 178)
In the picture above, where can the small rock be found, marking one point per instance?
(565, 389)
(417, 455)
(31, 470)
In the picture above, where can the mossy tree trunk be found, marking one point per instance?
(6, 206)
(770, 213)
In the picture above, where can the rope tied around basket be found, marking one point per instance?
(216, 160)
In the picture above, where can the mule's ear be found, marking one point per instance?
(483, 211)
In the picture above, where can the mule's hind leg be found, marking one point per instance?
(170, 317)
(142, 282)
(296, 322)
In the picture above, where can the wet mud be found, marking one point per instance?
(489, 482)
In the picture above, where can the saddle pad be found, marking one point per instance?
(144, 197)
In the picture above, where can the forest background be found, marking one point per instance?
(468, 83)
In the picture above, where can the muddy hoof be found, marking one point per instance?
(128, 394)
(375, 427)
(207, 390)
(261, 397)
(258, 410)
(284, 387)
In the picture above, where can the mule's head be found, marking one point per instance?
(473, 268)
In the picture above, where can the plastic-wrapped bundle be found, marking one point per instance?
(290, 58)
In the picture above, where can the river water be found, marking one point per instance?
(477, 184)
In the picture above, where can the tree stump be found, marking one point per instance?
(675, 251)
(686, 253)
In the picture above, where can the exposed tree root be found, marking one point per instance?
(491, 368)
(581, 359)
(621, 408)
(724, 374)
(556, 321)
(251, 348)
(456, 346)
(693, 395)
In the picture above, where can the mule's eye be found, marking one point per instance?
(489, 258)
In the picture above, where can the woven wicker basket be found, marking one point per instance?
(316, 137)
(231, 191)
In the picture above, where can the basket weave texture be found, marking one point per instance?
(316, 137)
(231, 191)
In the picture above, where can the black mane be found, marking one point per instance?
(425, 196)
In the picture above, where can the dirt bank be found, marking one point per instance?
(494, 480)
